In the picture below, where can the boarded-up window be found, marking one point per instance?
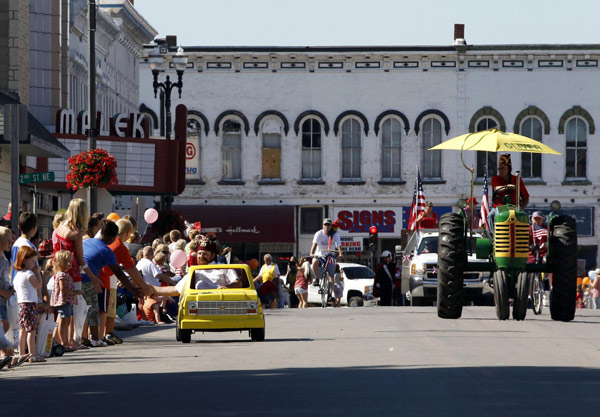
(271, 150)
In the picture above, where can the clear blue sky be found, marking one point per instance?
(372, 22)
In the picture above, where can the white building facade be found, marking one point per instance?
(298, 134)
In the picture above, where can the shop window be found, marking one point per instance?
(311, 219)
(431, 161)
(576, 136)
(391, 136)
(351, 150)
(232, 150)
(311, 149)
(486, 159)
(271, 150)
(531, 163)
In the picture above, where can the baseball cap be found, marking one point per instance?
(386, 253)
(537, 214)
(327, 220)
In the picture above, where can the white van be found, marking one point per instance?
(358, 286)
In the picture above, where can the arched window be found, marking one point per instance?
(193, 150)
(576, 149)
(351, 149)
(391, 141)
(271, 149)
(232, 150)
(488, 159)
(311, 149)
(431, 161)
(531, 163)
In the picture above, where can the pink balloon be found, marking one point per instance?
(178, 258)
(150, 215)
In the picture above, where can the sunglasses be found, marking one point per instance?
(326, 224)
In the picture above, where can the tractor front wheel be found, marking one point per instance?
(451, 262)
(501, 295)
(521, 297)
(563, 258)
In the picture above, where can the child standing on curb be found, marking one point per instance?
(63, 296)
(26, 284)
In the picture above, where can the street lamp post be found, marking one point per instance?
(156, 61)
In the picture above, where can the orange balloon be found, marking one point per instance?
(253, 264)
(579, 280)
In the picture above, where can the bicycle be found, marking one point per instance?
(536, 287)
(325, 278)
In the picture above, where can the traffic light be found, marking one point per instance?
(373, 238)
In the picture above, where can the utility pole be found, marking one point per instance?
(15, 129)
(92, 131)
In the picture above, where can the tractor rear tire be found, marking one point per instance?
(501, 295)
(563, 257)
(451, 263)
(521, 297)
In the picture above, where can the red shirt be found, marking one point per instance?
(429, 222)
(123, 257)
(498, 180)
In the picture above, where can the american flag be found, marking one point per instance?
(485, 204)
(418, 203)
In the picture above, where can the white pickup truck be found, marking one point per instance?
(420, 268)
(358, 286)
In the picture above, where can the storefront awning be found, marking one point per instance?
(241, 224)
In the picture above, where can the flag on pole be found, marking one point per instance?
(485, 204)
(418, 203)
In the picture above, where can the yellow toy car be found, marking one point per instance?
(206, 309)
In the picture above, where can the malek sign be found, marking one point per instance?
(132, 125)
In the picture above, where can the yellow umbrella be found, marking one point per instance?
(494, 140)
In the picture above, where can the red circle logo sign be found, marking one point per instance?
(190, 151)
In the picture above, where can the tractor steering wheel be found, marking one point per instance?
(507, 199)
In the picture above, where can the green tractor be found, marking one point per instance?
(508, 247)
(508, 252)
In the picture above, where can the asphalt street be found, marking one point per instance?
(396, 361)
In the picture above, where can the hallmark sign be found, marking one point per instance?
(132, 125)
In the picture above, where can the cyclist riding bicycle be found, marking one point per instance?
(325, 241)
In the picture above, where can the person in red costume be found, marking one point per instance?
(504, 183)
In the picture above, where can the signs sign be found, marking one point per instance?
(356, 221)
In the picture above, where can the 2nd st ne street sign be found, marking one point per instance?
(36, 177)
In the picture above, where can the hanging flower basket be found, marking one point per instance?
(96, 168)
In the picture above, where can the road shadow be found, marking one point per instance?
(348, 391)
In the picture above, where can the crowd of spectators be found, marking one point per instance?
(92, 276)
(95, 275)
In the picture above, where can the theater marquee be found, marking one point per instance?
(145, 165)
